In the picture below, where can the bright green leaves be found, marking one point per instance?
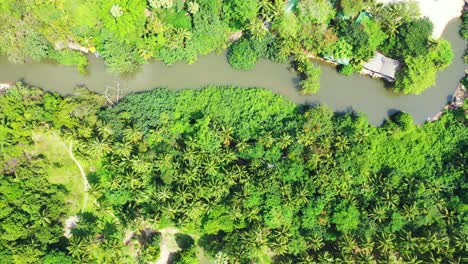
(240, 13)
(420, 72)
(242, 56)
(346, 218)
(130, 22)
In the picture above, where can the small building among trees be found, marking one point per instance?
(381, 67)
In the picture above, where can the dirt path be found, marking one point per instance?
(78, 164)
(83, 175)
(167, 245)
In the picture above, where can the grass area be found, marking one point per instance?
(62, 170)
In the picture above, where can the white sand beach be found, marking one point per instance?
(440, 12)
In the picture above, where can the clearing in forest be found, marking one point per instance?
(64, 168)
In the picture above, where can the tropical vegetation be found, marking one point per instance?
(242, 175)
(129, 33)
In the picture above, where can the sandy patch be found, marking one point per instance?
(168, 245)
(70, 223)
(440, 12)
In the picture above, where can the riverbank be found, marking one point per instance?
(5, 86)
(459, 96)
(341, 93)
(440, 12)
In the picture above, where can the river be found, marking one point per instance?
(342, 93)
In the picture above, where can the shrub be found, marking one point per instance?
(347, 69)
(441, 54)
(36, 46)
(118, 56)
(239, 13)
(413, 39)
(311, 84)
(242, 56)
(416, 76)
(71, 58)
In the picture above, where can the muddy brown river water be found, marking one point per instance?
(342, 93)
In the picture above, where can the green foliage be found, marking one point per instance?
(342, 50)
(464, 26)
(37, 47)
(375, 33)
(71, 58)
(127, 33)
(118, 56)
(128, 26)
(242, 56)
(315, 11)
(351, 7)
(441, 54)
(301, 184)
(311, 82)
(187, 256)
(419, 73)
(347, 218)
(413, 38)
(416, 76)
(239, 13)
(31, 208)
(175, 19)
(57, 257)
(347, 69)
(359, 38)
(249, 173)
(286, 25)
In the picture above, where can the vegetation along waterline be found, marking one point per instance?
(178, 172)
(213, 169)
(341, 93)
(127, 34)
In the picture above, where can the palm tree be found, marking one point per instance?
(85, 132)
(326, 257)
(105, 131)
(132, 135)
(315, 242)
(123, 149)
(306, 258)
(140, 165)
(341, 143)
(226, 135)
(257, 239)
(409, 243)
(347, 244)
(241, 146)
(76, 248)
(266, 10)
(279, 248)
(98, 148)
(176, 37)
(257, 29)
(386, 243)
(391, 199)
(366, 257)
(164, 194)
(285, 141)
(379, 213)
(146, 52)
(182, 195)
(410, 212)
(195, 210)
(211, 167)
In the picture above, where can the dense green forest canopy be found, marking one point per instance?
(128, 33)
(243, 174)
